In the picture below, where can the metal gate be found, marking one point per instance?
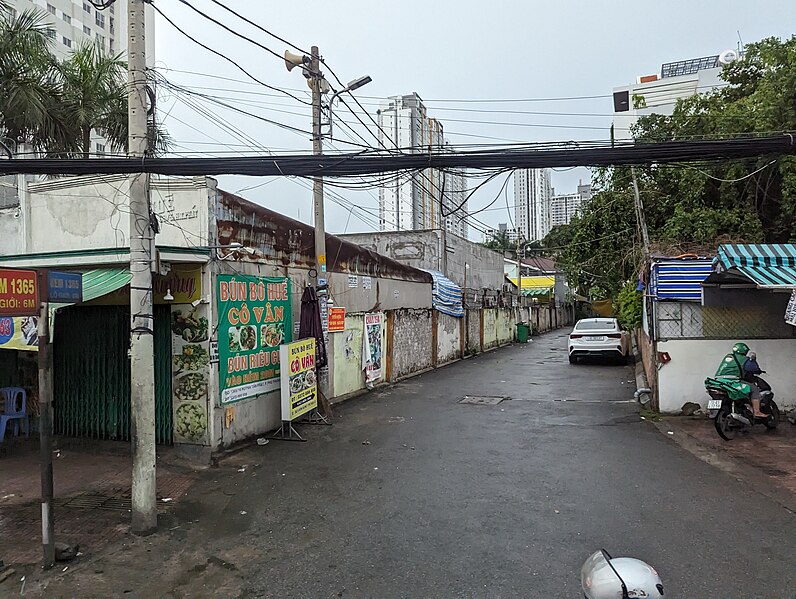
(91, 375)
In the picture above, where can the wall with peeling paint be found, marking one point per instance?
(347, 347)
(473, 331)
(489, 324)
(505, 324)
(448, 338)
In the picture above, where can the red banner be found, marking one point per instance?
(336, 320)
(19, 292)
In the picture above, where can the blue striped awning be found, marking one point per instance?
(446, 296)
(769, 266)
(679, 279)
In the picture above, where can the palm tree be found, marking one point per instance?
(29, 84)
(94, 86)
(94, 90)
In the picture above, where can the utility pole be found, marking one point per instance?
(317, 149)
(45, 433)
(642, 223)
(519, 268)
(142, 362)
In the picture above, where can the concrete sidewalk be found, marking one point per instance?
(92, 496)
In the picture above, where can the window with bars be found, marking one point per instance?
(99, 19)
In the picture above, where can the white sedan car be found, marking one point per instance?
(598, 337)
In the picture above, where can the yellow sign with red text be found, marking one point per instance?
(299, 381)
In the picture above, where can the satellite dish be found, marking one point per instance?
(728, 56)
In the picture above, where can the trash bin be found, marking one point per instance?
(523, 332)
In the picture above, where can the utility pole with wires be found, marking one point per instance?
(641, 222)
(142, 362)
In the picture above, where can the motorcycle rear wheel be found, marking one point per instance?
(724, 424)
(773, 419)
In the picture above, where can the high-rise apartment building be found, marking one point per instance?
(502, 230)
(564, 207)
(73, 22)
(428, 199)
(532, 193)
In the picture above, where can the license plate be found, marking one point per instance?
(714, 404)
(593, 338)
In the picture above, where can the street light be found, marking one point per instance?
(352, 85)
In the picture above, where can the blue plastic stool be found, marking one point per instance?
(15, 410)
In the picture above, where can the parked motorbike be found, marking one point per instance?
(730, 403)
(606, 577)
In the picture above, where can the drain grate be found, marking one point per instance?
(484, 400)
(97, 501)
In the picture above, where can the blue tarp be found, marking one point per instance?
(446, 296)
(679, 279)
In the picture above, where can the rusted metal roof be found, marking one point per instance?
(280, 239)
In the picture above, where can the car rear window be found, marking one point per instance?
(590, 325)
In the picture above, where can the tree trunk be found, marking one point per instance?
(86, 141)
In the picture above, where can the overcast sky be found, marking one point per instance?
(448, 51)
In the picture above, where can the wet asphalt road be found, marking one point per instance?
(454, 500)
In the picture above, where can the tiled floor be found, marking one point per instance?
(770, 452)
(92, 497)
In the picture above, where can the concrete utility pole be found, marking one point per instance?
(519, 268)
(45, 434)
(317, 149)
(142, 362)
(642, 223)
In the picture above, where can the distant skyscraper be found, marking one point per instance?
(564, 207)
(502, 230)
(428, 199)
(532, 193)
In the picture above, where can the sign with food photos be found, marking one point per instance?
(190, 370)
(254, 319)
(299, 381)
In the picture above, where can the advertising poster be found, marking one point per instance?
(790, 311)
(19, 292)
(190, 372)
(19, 333)
(371, 347)
(254, 319)
(336, 320)
(299, 383)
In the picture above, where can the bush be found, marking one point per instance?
(628, 306)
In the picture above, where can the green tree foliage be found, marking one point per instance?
(54, 106)
(628, 306)
(752, 200)
(500, 241)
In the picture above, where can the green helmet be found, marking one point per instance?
(740, 348)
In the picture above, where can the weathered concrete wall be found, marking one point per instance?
(88, 213)
(448, 338)
(473, 331)
(359, 293)
(489, 325)
(347, 348)
(11, 232)
(411, 345)
(505, 325)
(436, 250)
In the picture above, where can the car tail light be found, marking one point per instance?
(615, 335)
(575, 336)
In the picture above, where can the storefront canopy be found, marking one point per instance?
(769, 266)
(101, 281)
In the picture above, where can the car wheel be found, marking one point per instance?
(573, 359)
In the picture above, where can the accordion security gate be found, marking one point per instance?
(92, 373)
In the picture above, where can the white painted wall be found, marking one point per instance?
(693, 360)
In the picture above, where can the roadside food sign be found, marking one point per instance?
(299, 383)
(19, 292)
(254, 319)
(336, 319)
(66, 287)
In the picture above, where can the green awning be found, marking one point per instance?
(537, 291)
(101, 281)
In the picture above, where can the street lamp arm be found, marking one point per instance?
(353, 85)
